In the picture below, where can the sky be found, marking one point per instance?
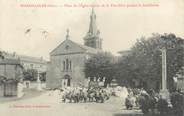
(36, 31)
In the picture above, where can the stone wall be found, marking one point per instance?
(11, 71)
(7, 71)
(1, 90)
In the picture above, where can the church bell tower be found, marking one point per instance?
(92, 38)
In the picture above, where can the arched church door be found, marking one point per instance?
(68, 78)
(68, 83)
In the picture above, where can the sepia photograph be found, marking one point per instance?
(92, 57)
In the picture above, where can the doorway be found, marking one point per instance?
(68, 80)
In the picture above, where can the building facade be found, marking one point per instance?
(67, 61)
(11, 72)
(28, 62)
(36, 63)
(10, 68)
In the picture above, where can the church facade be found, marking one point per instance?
(67, 60)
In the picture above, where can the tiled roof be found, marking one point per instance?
(10, 61)
(24, 58)
(31, 59)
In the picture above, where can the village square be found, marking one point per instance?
(84, 79)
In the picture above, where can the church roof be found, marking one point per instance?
(90, 49)
(73, 48)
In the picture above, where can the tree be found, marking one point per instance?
(30, 74)
(1, 55)
(43, 76)
(100, 65)
(143, 63)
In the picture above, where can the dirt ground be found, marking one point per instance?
(48, 104)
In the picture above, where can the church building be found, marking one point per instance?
(67, 60)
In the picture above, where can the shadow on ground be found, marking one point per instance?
(129, 114)
(29, 93)
(139, 114)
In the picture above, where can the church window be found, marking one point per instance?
(63, 65)
(67, 47)
(70, 64)
(67, 64)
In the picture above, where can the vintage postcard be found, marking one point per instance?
(92, 57)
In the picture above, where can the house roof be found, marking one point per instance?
(9, 62)
(24, 58)
(31, 59)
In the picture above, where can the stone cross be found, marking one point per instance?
(67, 34)
(164, 69)
(164, 92)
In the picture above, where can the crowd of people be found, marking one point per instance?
(147, 101)
(83, 94)
(152, 102)
(139, 98)
(86, 95)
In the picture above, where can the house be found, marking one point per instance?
(11, 72)
(28, 62)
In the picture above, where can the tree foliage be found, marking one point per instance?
(30, 74)
(144, 64)
(100, 65)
